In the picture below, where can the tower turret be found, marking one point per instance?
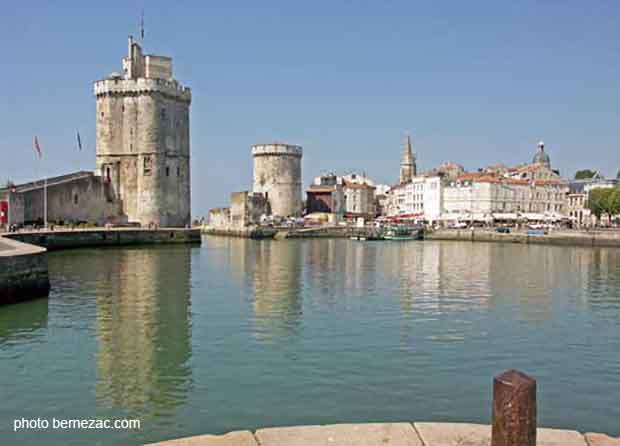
(408, 168)
(143, 139)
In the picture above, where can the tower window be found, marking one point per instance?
(163, 113)
(147, 165)
(178, 171)
(102, 114)
(167, 171)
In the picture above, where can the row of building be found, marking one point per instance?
(533, 191)
(446, 194)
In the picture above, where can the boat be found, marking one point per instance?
(402, 233)
(358, 237)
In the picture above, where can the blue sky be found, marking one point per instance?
(476, 82)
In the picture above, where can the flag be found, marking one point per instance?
(79, 141)
(37, 147)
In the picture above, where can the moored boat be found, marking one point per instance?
(402, 233)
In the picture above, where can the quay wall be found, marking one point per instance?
(565, 238)
(23, 272)
(81, 238)
(245, 232)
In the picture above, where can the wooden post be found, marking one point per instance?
(514, 410)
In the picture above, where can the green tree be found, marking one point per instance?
(596, 199)
(603, 201)
(584, 174)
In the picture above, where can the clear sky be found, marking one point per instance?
(476, 82)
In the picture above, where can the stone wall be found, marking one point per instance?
(219, 218)
(81, 238)
(23, 272)
(566, 238)
(247, 208)
(84, 199)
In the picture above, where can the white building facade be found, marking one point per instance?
(421, 199)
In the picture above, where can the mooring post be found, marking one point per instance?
(514, 409)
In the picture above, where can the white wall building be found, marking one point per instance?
(480, 196)
(421, 199)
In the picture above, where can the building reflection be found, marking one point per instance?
(143, 328)
(270, 272)
(24, 321)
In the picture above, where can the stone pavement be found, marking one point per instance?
(385, 434)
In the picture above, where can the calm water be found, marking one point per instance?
(240, 334)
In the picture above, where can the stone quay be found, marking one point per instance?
(23, 272)
(385, 434)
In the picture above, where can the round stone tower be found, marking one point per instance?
(143, 140)
(277, 174)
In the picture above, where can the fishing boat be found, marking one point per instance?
(402, 233)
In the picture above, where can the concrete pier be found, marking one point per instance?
(23, 272)
(82, 238)
(385, 434)
(561, 238)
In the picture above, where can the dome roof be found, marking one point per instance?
(541, 156)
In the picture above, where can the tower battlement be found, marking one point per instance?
(277, 149)
(122, 87)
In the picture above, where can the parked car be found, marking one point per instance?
(503, 230)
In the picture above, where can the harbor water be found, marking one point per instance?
(240, 334)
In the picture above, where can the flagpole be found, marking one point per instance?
(45, 202)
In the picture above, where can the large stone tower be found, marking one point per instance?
(143, 139)
(277, 174)
(408, 168)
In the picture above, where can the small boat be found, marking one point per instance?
(358, 237)
(402, 233)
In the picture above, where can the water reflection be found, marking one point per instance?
(270, 271)
(143, 328)
(24, 322)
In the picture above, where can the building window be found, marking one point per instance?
(147, 165)
(107, 174)
(102, 114)
(75, 199)
(178, 171)
(167, 171)
(163, 113)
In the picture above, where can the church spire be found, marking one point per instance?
(407, 165)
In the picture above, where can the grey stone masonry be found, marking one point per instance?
(23, 272)
(143, 149)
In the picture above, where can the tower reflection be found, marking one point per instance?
(144, 331)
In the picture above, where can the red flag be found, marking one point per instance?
(37, 147)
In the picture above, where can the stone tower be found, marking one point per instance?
(143, 139)
(408, 168)
(277, 174)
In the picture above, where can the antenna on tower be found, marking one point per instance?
(142, 25)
